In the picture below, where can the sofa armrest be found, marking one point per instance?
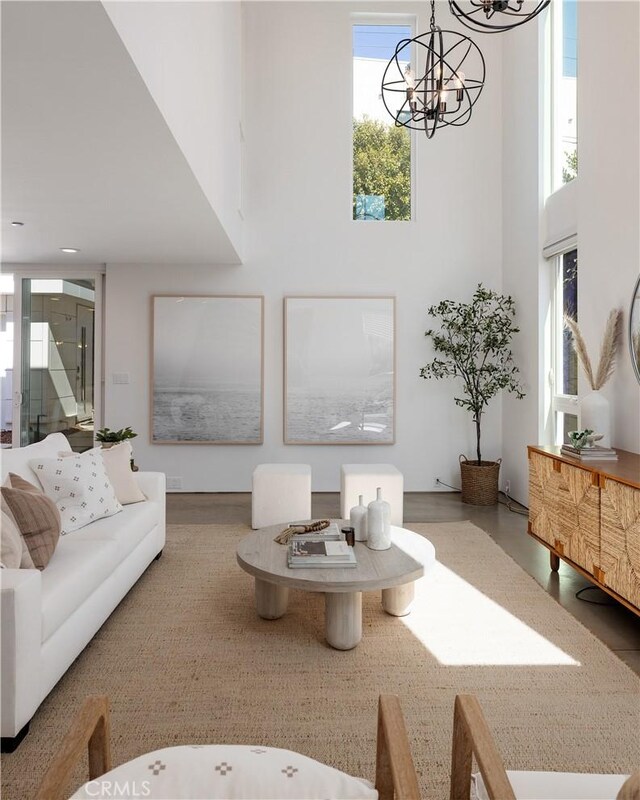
(21, 635)
(154, 486)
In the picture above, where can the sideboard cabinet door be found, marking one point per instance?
(620, 539)
(564, 509)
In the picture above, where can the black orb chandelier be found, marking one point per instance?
(495, 16)
(452, 77)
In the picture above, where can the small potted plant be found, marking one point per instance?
(108, 438)
(473, 344)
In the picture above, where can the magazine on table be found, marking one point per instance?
(320, 552)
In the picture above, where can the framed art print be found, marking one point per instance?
(207, 371)
(339, 370)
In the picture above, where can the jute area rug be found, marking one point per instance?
(185, 659)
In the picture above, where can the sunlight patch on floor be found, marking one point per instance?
(460, 626)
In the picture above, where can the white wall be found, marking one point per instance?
(608, 190)
(300, 239)
(522, 264)
(189, 54)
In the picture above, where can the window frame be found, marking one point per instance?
(382, 18)
(555, 62)
(561, 403)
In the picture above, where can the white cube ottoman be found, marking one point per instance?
(364, 479)
(281, 493)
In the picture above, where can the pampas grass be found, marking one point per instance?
(608, 349)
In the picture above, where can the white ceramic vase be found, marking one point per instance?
(358, 519)
(596, 415)
(379, 523)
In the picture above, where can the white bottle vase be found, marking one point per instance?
(379, 523)
(358, 519)
(596, 415)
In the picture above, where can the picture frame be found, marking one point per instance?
(339, 370)
(207, 369)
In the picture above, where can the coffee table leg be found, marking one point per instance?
(271, 599)
(343, 619)
(397, 601)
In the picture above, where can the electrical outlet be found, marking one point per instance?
(507, 487)
(174, 483)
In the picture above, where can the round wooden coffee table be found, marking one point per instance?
(393, 571)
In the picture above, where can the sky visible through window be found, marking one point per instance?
(377, 41)
(570, 38)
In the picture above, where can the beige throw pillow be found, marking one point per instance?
(35, 516)
(117, 462)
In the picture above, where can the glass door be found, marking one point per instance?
(57, 357)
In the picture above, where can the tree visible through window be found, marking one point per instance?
(381, 151)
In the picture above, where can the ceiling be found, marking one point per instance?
(87, 158)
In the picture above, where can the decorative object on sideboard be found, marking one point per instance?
(473, 344)
(585, 438)
(358, 519)
(634, 329)
(448, 87)
(379, 523)
(594, 407)
(495, 16)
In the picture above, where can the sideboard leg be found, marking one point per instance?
(271, 599)
(555, 562)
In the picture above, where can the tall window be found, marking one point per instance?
(565, 362)
(381, 151)
(565, 76)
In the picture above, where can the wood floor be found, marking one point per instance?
(617, 627)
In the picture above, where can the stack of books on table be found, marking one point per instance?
(309, 551)
(595, 453)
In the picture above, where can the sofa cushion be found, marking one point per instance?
(117, 462)
(77, 569)
(80, 488)
(555, 786)
(36, 517)
(17, 459)
(126, 529)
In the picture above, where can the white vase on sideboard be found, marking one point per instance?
(595, 413)
(379, 523)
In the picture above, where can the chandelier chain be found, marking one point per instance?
(432, 21)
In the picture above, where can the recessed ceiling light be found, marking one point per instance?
(17, 224)
(70, 250)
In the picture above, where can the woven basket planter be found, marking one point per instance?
(479, 481)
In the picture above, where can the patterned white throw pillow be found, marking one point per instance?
(227, 772)
(80, 488)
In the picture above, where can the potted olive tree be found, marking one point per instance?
(473, 344)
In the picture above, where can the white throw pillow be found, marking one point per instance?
(117, 462)
(232, 772)
(80, 488)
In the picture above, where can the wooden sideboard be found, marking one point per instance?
(588, 514)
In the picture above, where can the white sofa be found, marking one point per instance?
(48, 617)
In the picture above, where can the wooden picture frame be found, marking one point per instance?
(339, 370)
(207, 369)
